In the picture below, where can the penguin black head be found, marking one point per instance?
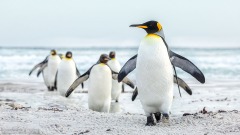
(53, 52)
(150, 27)
(104, 58)
(68, 55)
(112, 54)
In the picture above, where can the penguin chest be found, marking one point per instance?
(53, 63)
(154, 73)
(100, 83)
(66, 75)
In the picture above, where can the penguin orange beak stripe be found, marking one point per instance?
(139, 26)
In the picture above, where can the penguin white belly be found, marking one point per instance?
(100, 84)
(154, 75)
(116, 86)
(66, 76)
(53, 63)
(45, 76)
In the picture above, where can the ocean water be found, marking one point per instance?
(15, 63)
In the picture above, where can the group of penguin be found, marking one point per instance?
(155, 67)
(61, 73)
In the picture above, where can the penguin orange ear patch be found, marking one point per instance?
(159, 26)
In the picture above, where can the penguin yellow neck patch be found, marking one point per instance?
(102, 64)
(67, 58)
(113, 58)
(152, 35)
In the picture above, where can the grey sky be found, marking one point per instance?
(67, 23)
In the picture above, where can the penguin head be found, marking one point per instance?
(104, 58)
(150, 27)
(112, 54)
(68, 55)
(53, 52)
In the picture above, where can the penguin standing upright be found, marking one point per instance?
(100, 85)
(154, 65)
(67, 73)
(116, 86)
(53, 62)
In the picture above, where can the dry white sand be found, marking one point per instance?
(26, 108)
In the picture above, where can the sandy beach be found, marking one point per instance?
(27, 108)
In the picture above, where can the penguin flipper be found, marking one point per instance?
(78, 81)
(183, 85)
(78, 73)
(124, 80)
(128, 67)
(55, 80)
(38, 65)
(135, 93)
(186, 65)
(41, 69)
(35, 67)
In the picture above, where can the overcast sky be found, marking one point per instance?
(64, 23)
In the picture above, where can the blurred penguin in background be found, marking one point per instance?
(116, 86)
(67, 73)
(53, 62)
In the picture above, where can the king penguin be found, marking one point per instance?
(100, 84)
(67, 73)
(154, 65)
(53, 62)
(116, 86)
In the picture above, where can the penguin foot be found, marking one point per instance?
(158, 116)
(51, 89)
(116, 100)
(165, 118)
(150, 121)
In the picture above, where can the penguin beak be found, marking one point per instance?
(139, 26)
(107, 58)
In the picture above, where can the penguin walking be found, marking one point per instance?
(154, 65)
(100, 84)
(67, 73)
(116, 86)
(53, 62)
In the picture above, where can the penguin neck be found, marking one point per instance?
(67, 58)
(102, 64)
(113, 59)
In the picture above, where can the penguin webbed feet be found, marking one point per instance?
(51, 88)
(158, 116)
(150, 121)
